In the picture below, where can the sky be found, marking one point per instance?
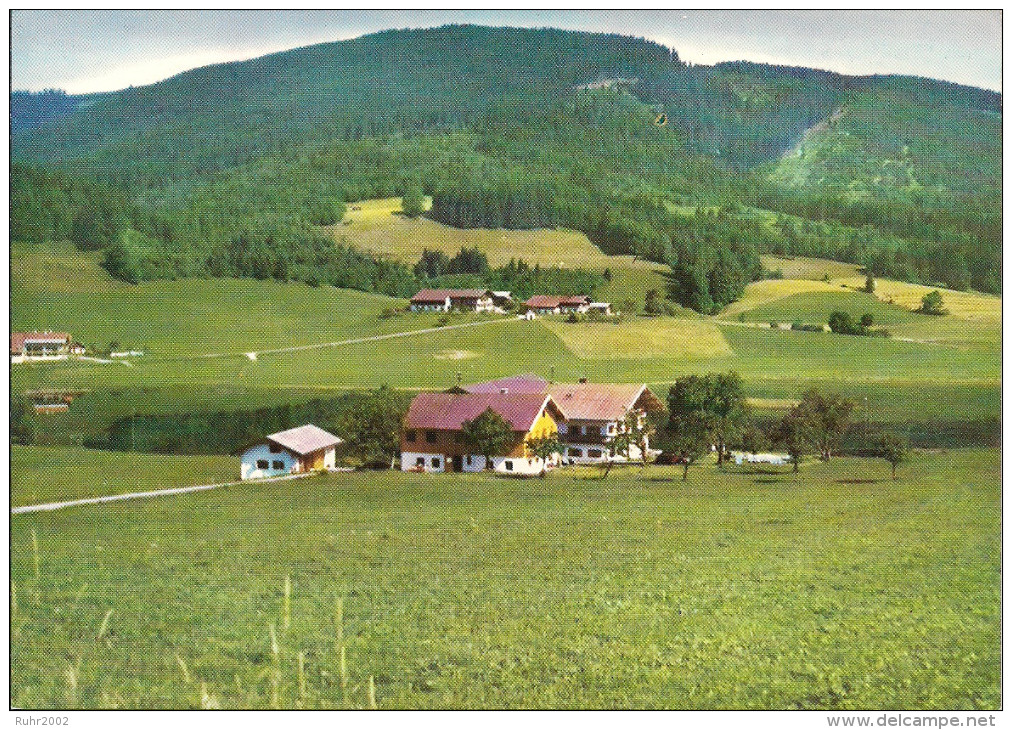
(84, 51)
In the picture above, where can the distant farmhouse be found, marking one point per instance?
(43, 346)
(548, 304)
(586, 417)
(432, 438)
(443, 300)
(295, 451)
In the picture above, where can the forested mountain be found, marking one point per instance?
(227, 170)
(30, 110)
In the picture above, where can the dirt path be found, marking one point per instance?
(253, 355)
(50, 506)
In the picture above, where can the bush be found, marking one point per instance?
(931, 303)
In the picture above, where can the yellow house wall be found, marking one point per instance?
(544, 426)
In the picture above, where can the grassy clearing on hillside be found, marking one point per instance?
(815, 307)
(57, 474)
(840, 589)
(642, 338)
(800, 267)
(770, 290)
(378, 226)
(972, 306)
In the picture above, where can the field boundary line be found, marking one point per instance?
(51, 506)
(336, 343)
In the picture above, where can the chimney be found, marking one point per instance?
(583, 381)
(504, 391)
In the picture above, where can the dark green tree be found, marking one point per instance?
(842, 324)
(371, 426)
(895, 449)
(413, 201)
(931, 303)
(827, 415)
(544, 448)
(794, 433)
(688, 440)
(489, 434)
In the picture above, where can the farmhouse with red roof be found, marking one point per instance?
(593, 414)
(443, 300)
(432, 437)
(42, 346)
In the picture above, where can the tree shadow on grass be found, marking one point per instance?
(857, 481)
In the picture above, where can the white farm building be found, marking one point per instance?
(295, 451)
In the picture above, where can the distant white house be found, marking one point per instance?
(43, 346)
(443, 300)
(295, 451)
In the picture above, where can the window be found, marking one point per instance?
(583, 430)
(430, 437)
(278, 464)
(420, 461)
(576, 452)
(611, 428)
(435, 463)
(594, 453)
(262, 464)
(509, 466)
(409, 435)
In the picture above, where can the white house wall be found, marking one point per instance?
(500, 464)
(250, 470)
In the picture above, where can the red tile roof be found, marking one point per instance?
(550, 301)
(305, 439)
(18, 339)
(448, 411)
(526, 383)
(440, 295)
(601, 401)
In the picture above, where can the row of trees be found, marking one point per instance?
(469, 268)
(710, 412)
(368, 421)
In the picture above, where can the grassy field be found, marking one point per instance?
(57, 474)
(837, 589)
(190, 316)
(642, 338)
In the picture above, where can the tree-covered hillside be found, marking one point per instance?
(228, 170)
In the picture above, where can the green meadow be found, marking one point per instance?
(838, 588)
(46, 474)
(933, 370)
